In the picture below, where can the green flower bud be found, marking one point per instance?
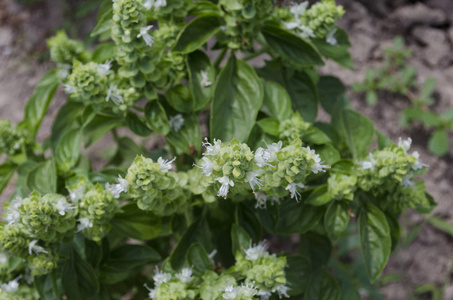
(11, 138)
(64, 50)
(43, 263)
(15, 240)
(49, 218)
(214, 285)
(174, 290)
(86, 83)
(293, 128)
(172, 10)
(322, 16)
(341, 186)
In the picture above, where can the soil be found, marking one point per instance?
(427, 27)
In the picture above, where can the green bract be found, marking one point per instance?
(217, 155)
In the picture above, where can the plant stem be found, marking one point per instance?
(255, 54)
(219, 58)
(136, 107)
(53, 281)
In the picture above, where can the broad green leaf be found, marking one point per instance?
(336, 219)
(237, 100)
(68, 150)
(317, 248)
(440, 224)
(332, 94)
(137, 125)
(427, 90)
(291, 47)
(247, 219)
(382, 140)
(180, 98)
(269, 125)
(103, 52)
(43, 178)
(298, 218)
(277, 100)
(156, 117)
(322, 286)
(99, 126)
(135, 223)
(375, 240)
(37, 105)
(438, 142)
(318, 196)
(315, 136)
(104, 22)
(127, 150)
(241, 239)
(197, 63)
(79, 279)
(43, 286)
(411, 114)
(198, 259)
(131, 257)
(6, 172)
(297, 273)
(303, 93)
(204, 7)
(197, 33)
(187, 139)
(339, 52)
(66, 119)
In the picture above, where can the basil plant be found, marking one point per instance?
(224, 185)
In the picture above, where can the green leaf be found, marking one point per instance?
(317, 248)
(197, 33)
(291, 47)
(104, 23)
(269, 125)
(198, 62)
(43, 286)
(298, 218)
(103, 52)
(66, 119)
(322, 286)
(332, 94)
(98, 127)
(375, 240)
(328, 153)
(246, 218)
(43, 178)
(126, 153)
(277, 100)
(137, 125)
(427, 90)
(382, 140)
(67, 151)
(315, 136)
(6, 172)
(339, 52)
(297, 273)
(438, 142)
(237, 100)
(318, 196)
(336, 219)
(304, 95)
(180, 98)
(241, 239)
(156, 117)
(79, 278)
(135, 223)
(188, 139)
(198, 259)
(371, 97)
(130, 257)
(204, 7)
(37, 105)
(440, 224)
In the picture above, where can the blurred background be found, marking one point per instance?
(419, 106)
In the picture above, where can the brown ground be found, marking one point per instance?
(427, 27)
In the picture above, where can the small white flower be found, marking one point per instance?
(211, 256)
(151, 292)
(330, 37)
(69, 89)
(261, 157)
(3, 258)
(251, 178)
(291, 25)
(247, 290)
(117, 189)
(255, 252)
(63, 207)
(113, 93)
(226, 182)
(161, 277)
(212, 149)
(205, 82)
(264, 294)
(154, 3)
(282, 290)
(298, 9)
(84, 223)
(32, 247)
(64, 71)
(206, 165)
(368, 164)
(185, 275)
(13, 215)
(230, 292)
(104, 69)
(12, 286)
(149, 40)
(261, 199)
(165, 165)
(305, 32)
(317, 166)
(176, 122)
(418, 164)
(405, 144)
(273, 149)
(407, 182)
(292, 188)
(76, 194)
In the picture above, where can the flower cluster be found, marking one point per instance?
(155, 188)
(88, 82)
(293, 128)
(64, 50)
(340, 186)
(11, 138)
(173, 11)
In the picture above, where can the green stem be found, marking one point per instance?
(255, 54)
(136, 107)
(219, 58)
(53, 281)
(188, 218)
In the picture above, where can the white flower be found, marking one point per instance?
(104, 69)
(305, 32)
(3, 258)
(230, 292)
(405, 144)
(206, 165)
(317, 166)
(251, 178)
(154, 3)
(12, 286)
(273, 149)
(211, 256)
(292, 188)
(69, 89)
(63, 207)
(117, 189)
(212, 149)
(368, 164)
(330, 37)
(165, 165)
(149, 40)
(84, 223)
(282, 290)
(247, 290)
(261, 157)
(418, 164)
(291, 25)
(298, 9)
(113, 93)
(13, 215)
(407, 182)
(204, 79)
(255, 252)
(225, 181)
(32, 247)
(151, 292)
(161, 277)
(185, 275)
(264, 295)
(76, 194)
(261, 199)
(64, 71)
(176, 122)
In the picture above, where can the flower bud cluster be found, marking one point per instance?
(340, 186)
(244, 19)
(87, 83)
(64, 50)
(293, 128)
(43, 263)
(11, 138)
(200, 184)
(179, 286)
(15, 289)
(171, 10)
(14, 240)
(155, 188)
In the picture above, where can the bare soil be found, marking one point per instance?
(427, 27)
